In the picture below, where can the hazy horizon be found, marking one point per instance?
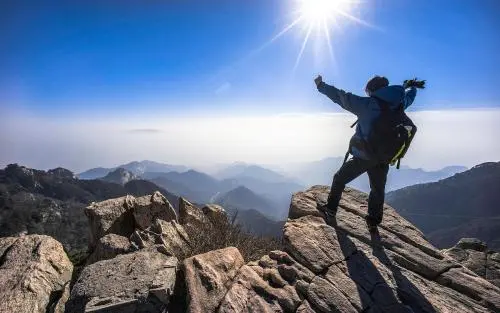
(200, 142)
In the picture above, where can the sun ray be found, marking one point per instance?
(280, 34)
(304, 43)
(328, 40)
(355, 19)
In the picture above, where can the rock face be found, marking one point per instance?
(113, 216)
(121, 216)
(342, 268)
(170, 235)
(110, 246)
(214, 212)
(141, 281)
(34, 274)
(474, 255)
(190, 215)
(148, 209)
(208, 277)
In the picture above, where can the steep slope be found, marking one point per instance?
(119, 176)
(487, 228)
(257, 223)
(194, 185)
(451, 202)
(242, 198)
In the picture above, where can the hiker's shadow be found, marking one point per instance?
(392, 295)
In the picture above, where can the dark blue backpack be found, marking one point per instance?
(390, 137)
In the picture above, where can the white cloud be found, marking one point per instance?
(464, 137)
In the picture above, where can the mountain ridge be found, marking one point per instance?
(472, 195)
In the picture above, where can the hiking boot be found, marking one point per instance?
(329, 215)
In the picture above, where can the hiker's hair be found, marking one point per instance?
(376, 83)
(415, 82)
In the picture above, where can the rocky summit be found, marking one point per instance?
(141, 262)
(339, 269)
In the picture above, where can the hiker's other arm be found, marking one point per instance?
(346, 100)
(410, 95)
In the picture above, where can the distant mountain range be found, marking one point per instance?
(136, 168)
(321, 173)
(273, 189)
(52, 202)
(464, 205)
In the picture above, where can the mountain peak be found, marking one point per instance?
(120, 176)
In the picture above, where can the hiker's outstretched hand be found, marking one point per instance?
(318, 80)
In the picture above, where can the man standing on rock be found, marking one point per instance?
(381, 98)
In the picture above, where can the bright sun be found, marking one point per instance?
(318, 12)
(320, 16)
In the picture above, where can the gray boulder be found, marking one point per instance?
(214, 212)
(148, 209)
(113, 216)
(474, 255)
(34, 274)
(208, 277)
(190, 216)
(121, 216)
(170, 237)
(108, 247)
(141, 281)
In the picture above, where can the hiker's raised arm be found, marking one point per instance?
(410, 95)
(346, 100)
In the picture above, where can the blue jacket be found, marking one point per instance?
(367, 108)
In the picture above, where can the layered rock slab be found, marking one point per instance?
(141, 281)
(347, 269)
(34, 274)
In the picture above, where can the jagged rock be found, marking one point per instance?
(141, 281)
(189, 215)
(148, 209)
(208, 277)
(493, 268)
(34, 274)
(170, 235)
(472, 244)
(108, 247)
(121, 216)
(347, 269)
(214, 212)
(112, 216)
(474, 255)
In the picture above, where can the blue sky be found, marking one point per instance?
(186, 57)
(81, 80)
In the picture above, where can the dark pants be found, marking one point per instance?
(351, 170)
